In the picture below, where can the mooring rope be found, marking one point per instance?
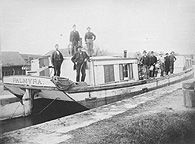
(47, 106)
(62, 84)
(15, 111)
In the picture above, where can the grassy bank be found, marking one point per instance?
(165, 127)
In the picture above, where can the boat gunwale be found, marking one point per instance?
(79, 89)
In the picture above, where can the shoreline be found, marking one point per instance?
(158, 117)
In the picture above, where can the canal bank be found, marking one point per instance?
(156, 116)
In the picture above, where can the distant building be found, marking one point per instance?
(12, 63)
(28, 58)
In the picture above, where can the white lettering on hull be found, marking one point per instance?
(27, 81)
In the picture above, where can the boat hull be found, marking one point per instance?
(89, 96)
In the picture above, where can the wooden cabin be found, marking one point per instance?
(100, 70)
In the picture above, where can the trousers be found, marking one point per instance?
(57, 67)
(89, 43)
(80, 68)
(74, 47)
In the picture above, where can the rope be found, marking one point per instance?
(14, 111)
(47, 106)
(62, 84)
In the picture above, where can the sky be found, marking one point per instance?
(35, 26)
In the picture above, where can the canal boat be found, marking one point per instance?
(109, 79)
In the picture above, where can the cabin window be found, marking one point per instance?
(130, 71)
(121, 71)
(109, 73)
(126, 71)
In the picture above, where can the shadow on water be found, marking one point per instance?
(41, 114)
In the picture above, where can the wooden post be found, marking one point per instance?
(1, 84)
(27, 102)
(189, 93)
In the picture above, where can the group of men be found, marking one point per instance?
(79, 57)
(75, 40)
(150, 64)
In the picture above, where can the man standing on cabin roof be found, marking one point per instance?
(172, 61)
(145, 64)
(56, 60)
(89, 38)
(74, 40)
(152, 63)
(79, 59)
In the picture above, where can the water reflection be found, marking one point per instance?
(56, 110)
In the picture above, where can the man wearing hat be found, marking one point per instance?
(56, 60)
(161, 61)
(89, 38)
(152, 63)
(79, 59)
(172, 61)
(145, 64)
(167, 63)
(74, 40)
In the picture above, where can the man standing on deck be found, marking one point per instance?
(152, 63)
(167, 64)
(79, 59)
(172, 60)
(56, 60)
(145, 63)
(89, 38)
(74, 40)
(161, 61)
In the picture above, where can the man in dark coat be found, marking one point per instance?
(74, 40)
(167, 64)
(172, 61)
(89, 38)
(79, 59)
(152, 63)
(145, 64)
(56, 60)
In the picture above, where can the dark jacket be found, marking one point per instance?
(167, 63)
(56, 57)
(152, 60)
(74, 36)
(90, 35)
(79, 58)
(144, 60)
(172, 58)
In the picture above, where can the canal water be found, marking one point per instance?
(43, 110)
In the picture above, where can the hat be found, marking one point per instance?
(88, 28)
(144, 51)
(74, 25)
(166, 53)
(152, 51)
(172, 52)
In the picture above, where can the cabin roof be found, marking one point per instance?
(11, 59)
(109, 58)
(106, 58)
